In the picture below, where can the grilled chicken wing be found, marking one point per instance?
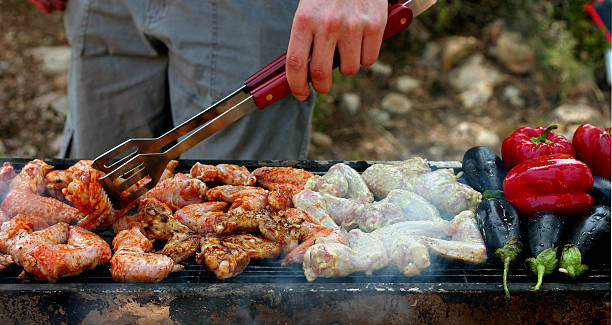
(58, 180)
(178, 191)
(32, 177)
(202, 217)
(133, 262)
(256, 247)
(50, 209)
(272, 177)
(238, 221)
(244, 198)
(225, 262)
(20, 223)
(180, 246)
(157, 220)
(280, 198)
(350, 184)
(223, 173)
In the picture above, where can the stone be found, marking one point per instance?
(395, 103)
(379, 116)
(321, 139)
(381, 69)
(406, 84)
(350, 103)
(431, 54)
(457, 48)
(476, 80)
(54, 59)
(512, 51)
(575, 113)
(470, 132)
(514, 96)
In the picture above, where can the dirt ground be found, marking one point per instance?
(436, 125)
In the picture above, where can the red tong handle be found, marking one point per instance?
(270, 83)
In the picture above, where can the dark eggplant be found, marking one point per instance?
(601, 191)
(543, 236)
(483, 169)
(498, 221)
(591, 231)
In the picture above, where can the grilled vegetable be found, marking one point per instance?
(498, 221)
(592, 145)
(555, 183)
(527, 143)
(483, 169)
(600, 191)
(543, 234)
(592, 230)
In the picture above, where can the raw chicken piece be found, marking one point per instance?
(7, 173)
(382, 179)
(441, 188)
(466, 245)
(201, 217)
(370, 217)
(312, 203)
(323, 236)
(223, 173)
(180, 246)
(57, 180)
(225, 262)
(23, 241)
(413, 206)
(6, 260)
(429, 228)
(132, 261)
(365, 253)
(244, 198)
(350, 184)
(166, 174)
(31, 177)
(408, 254)
(20, 223)
(3, 216)
(178, 191)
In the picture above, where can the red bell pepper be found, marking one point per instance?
(592, 145)
(557, 183)
(526, 143)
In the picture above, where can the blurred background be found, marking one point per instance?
(464, 74)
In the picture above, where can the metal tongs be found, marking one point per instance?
(134, 159)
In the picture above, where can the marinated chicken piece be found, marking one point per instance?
(365, 253)
(3, 216)
(372, 216)
(7, 173)
(312, 203)
(31, 178)
(202, 217)
(84, 250)
(243, 198)
(280, 199)
(350, 184)
(223, 173)
(408, 254)
(166, 174)
(288, 227)
(179, 191)
(87, 194)
(181, 246)
(225, 262)
(414, 207)
(23, 241)
(57, 180)
(466, 244)
(157, 220)
(441, 188)
(272, 177)
(382, 179)
(256, 247)
(6, 260)
(126, 222)
(226, 192)
(20, 223)
(133, 262)
(50, 209)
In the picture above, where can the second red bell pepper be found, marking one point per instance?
(556, 183)
(526, 143)
(592, 145)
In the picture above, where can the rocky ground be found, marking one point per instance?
(429, 96)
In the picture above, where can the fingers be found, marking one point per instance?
(350, 48)
(298, 51)
(373, 32)
(321, 63)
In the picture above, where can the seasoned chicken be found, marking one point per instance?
(223, 173)
(202, 217)
(6, 260)
(133, 262)
(350, 184)
(180, 246)
(7, 173)
(3, 216)
(382, 179)
(225, 262)
(31, 178)
(238, 221)
(312, 203)
(50, 209)
(57, 180)
(166, 174)
(157, 220)
(322, 236)
(441, 188)
(256, 247)
(20, 223)
(272, 177)
(289, 227)
(280, 198)
(178, 191)
(243, 198)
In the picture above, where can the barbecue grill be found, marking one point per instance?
(447, 292)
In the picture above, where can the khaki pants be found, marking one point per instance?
(140, 67)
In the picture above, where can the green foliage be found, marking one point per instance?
(319, 115)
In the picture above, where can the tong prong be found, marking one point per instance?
(132, 179)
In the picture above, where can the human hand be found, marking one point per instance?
(49, 5)
(354, 27)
